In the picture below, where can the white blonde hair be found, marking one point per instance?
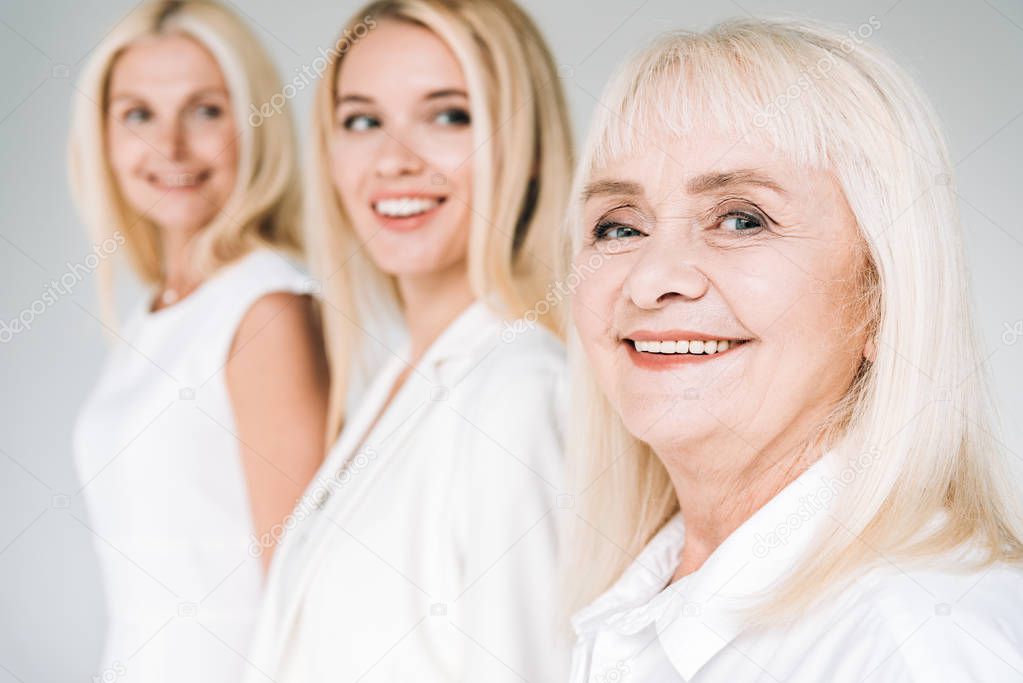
(264, 206)
(827, 100)
(521, 175)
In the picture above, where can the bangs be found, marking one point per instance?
(757, 82)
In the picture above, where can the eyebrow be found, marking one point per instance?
(199, 94)
(435, 95)
(603, 188)
(712, 182)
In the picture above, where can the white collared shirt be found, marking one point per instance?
(430, 553)
(895, 623)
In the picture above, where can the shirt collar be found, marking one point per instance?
(458, 349)
(699, 615)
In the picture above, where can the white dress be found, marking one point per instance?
(428, 554)
(159, 463)
(897, 623)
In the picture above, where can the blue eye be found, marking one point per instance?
(741, 223)
(137, 115)
(360, 122)
(610, 230)
(453, 117)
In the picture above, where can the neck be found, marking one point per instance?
(715, 500)
(176, 251)
(431, 302)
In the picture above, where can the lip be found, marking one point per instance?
(154, 179)
(407, 223)
(688, 335)
(667, 361)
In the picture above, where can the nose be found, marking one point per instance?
(168, 140)
(396, 158)
(663, 274)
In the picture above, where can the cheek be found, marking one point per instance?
(124, 151)
(813, 305)
(593, 292)
(451, 157)
(345, 177)
(773, 294)
(217, 148)
(350, 165)
(805, 325)
(348, 170)
(593, 304)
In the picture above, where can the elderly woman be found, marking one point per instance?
(785, 469)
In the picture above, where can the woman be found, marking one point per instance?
(210, 415)
(784, 471)
(427, 544)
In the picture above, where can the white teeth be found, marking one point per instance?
(403, 207)
(178, 179)
(695, 347)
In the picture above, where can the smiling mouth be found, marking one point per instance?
(669, 352)
(177, 181)
(406, 207)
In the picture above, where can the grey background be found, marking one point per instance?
(968, 56)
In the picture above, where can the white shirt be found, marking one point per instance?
(432, 556)
(896, 623)
(164, 485)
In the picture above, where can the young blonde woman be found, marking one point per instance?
(785, 466)
(209, 417)
(427, 545)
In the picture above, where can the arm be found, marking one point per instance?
(277, 381)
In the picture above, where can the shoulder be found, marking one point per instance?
(943, 586)
(258, 273)
(277, 318)
(937, 622)
(278, 346)
(517, 384)
(268, 266)
(266, 285)
(520, 361)
(511, 401)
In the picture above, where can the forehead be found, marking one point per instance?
(170, 63)
(398, 58)
(667, 166)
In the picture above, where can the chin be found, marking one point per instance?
(399, 268)
(181, 221)
(669, 436)
(413, 255)
(666, 414)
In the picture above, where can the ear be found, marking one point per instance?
(870, 350)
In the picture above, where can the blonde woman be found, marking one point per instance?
(209, 417)
(427, 543)
(784, 469)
